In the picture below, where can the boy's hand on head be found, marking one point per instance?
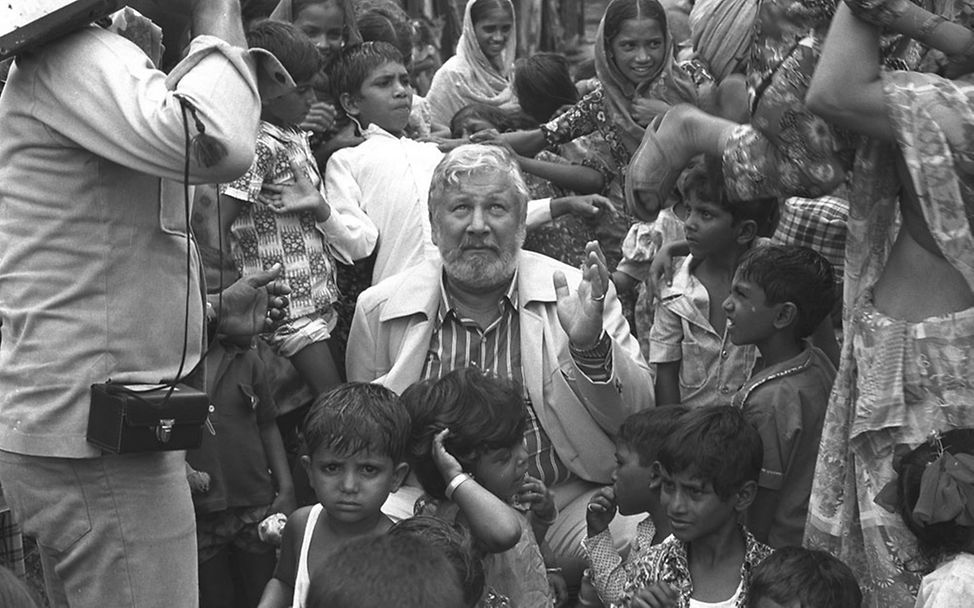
(296, 196)
(600, 511)
(535, 494)
(657, 595)
(447, 464)
(320, 118)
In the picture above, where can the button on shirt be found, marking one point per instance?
(712, 368)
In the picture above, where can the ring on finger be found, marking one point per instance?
(599, 299)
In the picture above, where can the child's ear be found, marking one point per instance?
(745, 496)
(747, 231)
(399, 476)
(786, 316)
(655, 475)
(348, 104)
(306, 463)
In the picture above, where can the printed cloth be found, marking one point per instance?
(609, 571)
(668, 562)
(897, 381)
(816, 223)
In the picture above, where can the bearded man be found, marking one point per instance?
(557, 331)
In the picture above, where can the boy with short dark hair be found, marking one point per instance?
(780, 294)
(357, 436)
(635, 490)
(803, 578)
(709, 467)
(388, 175)
(696, 363)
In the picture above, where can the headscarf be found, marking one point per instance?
(721, 33)
(485, 83)
(284, 12)
(670, 83)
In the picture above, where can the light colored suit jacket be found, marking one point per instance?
(393, 326)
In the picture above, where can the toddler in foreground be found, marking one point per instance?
(356, 436)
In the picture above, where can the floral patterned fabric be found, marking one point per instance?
(898, 381)
(261, 238)
(668, 562)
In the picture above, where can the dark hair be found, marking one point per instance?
(486, 112)
(717, 444)
(704, 179)
(940, 540)
(357, 416)
(543, 85)
(480, 9)
(386, 22)
(254, 10)
(814, 578)
(456, 543)
(483, 412)
(620, 11)
(792, 274)
(644, 431)
(401, 570)
(291, 46)
(354, 64)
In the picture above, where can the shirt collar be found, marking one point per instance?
(447, 303)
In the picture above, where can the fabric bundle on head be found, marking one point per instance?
(670, 84)
(721, 32)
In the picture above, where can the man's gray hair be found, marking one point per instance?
(470, 159)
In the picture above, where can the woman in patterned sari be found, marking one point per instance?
(907, 366)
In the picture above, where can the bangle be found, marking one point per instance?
(455, 483)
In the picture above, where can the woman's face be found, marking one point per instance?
(324, 23)
(492, 32)
(639, 49)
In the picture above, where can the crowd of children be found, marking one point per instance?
(757, 476)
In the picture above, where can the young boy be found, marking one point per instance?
(803, 578)
(696, 363)
(276, 212)
(709, 467)
(388, 175)
(240, 474)
(635, 490)
(356, 436)
(780, 294)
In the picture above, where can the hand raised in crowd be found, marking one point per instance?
(657, 595)
(534, 494)
(600, 511)
(644, 111)
(295, 196)
(580, 314)
(253, 304)
(589, 207)
(319, 118)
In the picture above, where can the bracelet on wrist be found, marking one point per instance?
(458, 480)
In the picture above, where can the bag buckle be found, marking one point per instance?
(164, 429)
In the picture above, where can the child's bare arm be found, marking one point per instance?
(276, 595)
(270, 436)
(668, 383)
(577, 178)
(279, 593)
(491, 521)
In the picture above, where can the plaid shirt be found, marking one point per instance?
(668, 562)
(816, 223)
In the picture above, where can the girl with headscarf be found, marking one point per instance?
(481, 70)
(908, 355)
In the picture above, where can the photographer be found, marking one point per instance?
(94, 279)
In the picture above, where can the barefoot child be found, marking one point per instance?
(356, 436)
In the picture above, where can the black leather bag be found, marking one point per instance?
(126, 419)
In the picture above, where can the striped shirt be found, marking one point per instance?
(459, 342)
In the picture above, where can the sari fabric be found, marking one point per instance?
(898, 381)
(470, 77)
(721, 31)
